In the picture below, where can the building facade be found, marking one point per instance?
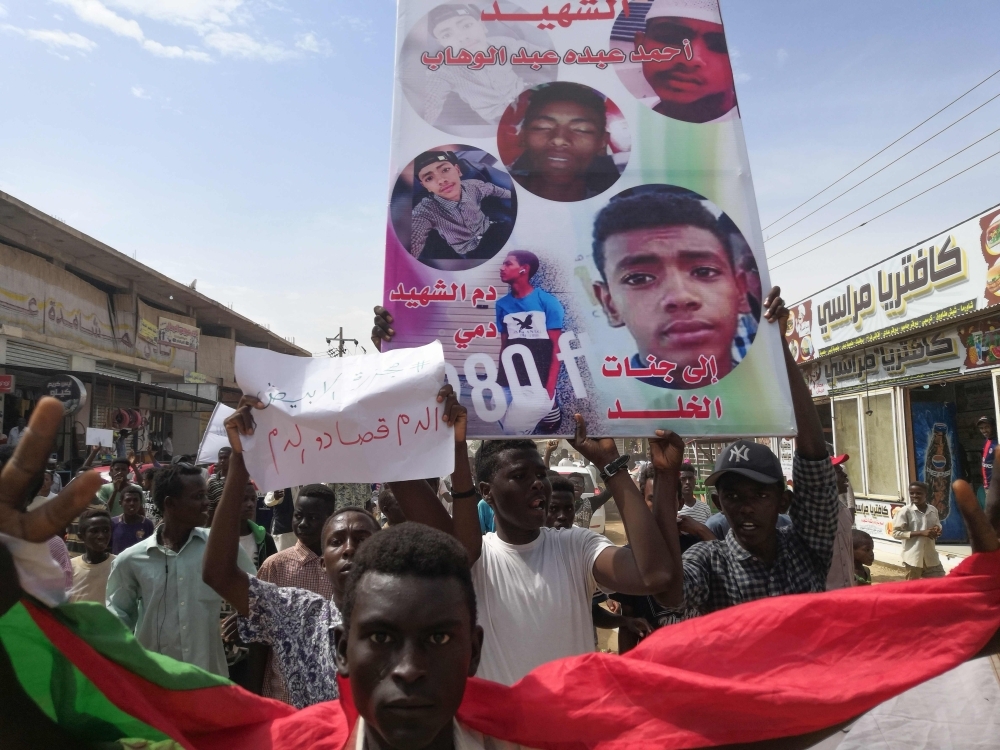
(153, 356)
(902, 360)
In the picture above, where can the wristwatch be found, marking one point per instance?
(614, 467)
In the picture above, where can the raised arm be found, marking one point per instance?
(809, 443)
(645, 568)
(814, 506)
(418, 501)
(219, 567)
(550, 447)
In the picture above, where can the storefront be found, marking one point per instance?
(902, 361)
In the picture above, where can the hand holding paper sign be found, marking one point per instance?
(344, 420)
(382, 330)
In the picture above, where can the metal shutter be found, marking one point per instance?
(24, 355)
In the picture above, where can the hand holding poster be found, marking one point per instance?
(350, 419)
(572, 217)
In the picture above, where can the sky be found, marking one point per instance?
(244, 143)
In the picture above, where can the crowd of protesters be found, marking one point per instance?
(180, 557)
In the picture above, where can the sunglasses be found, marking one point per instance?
(674, 36)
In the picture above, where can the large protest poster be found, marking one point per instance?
(571, 214)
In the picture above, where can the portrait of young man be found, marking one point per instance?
(562, 143)
(696, 85)
(668, 273)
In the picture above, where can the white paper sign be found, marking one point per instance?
(215, 435)
(97, 436)
(354, 419)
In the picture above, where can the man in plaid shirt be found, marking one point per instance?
(756, 559)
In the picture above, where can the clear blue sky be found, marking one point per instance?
(245, 142)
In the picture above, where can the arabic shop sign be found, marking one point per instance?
(941, 278)
(69, 390)
(875, 518)
(890, 362)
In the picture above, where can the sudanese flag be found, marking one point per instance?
(771, 668)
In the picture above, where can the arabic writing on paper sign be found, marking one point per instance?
(404, 428)
(697, 407)
(345, 419)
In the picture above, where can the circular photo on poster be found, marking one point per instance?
(452, 208)
(564, 141)
(455, 68)
(677, 273)
(677, 59)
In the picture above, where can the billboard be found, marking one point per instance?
(949, 275)
(571, 214)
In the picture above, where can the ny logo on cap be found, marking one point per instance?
(738, 454)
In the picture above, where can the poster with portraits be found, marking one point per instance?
(571, 214)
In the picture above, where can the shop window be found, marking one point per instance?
(847, 437)
(880, 446)
(870, 439)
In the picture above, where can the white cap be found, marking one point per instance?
(699, 10)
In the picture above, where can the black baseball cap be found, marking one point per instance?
(750, 459)
(444, 12)
(429, 157)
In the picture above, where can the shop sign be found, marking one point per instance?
(7, 384)
(148, 331)
(948, 275)
(196, 377)
(874, 517)
(178, 335)
(891, 362)
(67, 389)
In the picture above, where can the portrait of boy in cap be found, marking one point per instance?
(563, 141)
(449, 222)
(695, 85)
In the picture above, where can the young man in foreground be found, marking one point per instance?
(409, 642)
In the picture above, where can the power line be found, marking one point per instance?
(879, 216)
(884, 149)
(774, 255)
(799, 221)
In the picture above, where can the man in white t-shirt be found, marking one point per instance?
(534, 585)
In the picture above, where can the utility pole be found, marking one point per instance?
(339, 338)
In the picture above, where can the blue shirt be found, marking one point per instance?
(527, 321)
